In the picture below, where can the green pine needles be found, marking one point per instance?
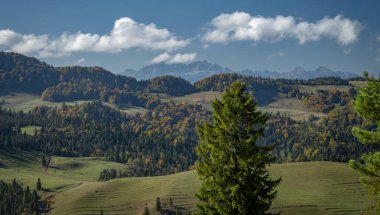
(231, 166)
(367, 105)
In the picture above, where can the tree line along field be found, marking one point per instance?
(291, 106)
(72, 187)
(25, 102)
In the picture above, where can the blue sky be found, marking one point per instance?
(273, 35)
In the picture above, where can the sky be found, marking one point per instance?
(241, 34)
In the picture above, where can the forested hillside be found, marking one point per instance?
(161, 139)
(19, 73)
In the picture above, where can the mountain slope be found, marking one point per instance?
(19, 73)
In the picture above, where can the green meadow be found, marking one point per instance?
(71, 184)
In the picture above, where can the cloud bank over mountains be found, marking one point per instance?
(128, 34)
(172, 59)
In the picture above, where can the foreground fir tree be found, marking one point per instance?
(231, 166)
(367, 105)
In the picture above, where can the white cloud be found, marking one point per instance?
(183, 58)
(239, 26)
(126, 34)
(276, 55)
(23, 43)
(161, 58)
(378, 39)
(177, 58)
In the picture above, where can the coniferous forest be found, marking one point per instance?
(162, 139)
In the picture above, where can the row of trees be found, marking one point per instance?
(108, 174)
(15, 199)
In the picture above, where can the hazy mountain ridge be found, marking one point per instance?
(201, 69)
(191, 72)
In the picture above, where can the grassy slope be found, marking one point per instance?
(26, 167)
(292, 106)
(203, 98)
(26, 102)
(279, 103)
(315, 187)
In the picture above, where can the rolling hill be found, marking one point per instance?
(72, 187)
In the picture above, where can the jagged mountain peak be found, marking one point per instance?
(198, 70)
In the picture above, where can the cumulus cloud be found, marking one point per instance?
(240, 26)
(172, 59)
(125, 34)
(161, 58)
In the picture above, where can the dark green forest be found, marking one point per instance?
(15, 199)
(161, 140)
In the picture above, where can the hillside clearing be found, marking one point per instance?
(25, 102)
(280, 103)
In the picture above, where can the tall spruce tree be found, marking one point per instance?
(39, 184)
(367, 105)
(231, 166)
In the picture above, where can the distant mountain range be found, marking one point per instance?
(201, 69)
(193, 71)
